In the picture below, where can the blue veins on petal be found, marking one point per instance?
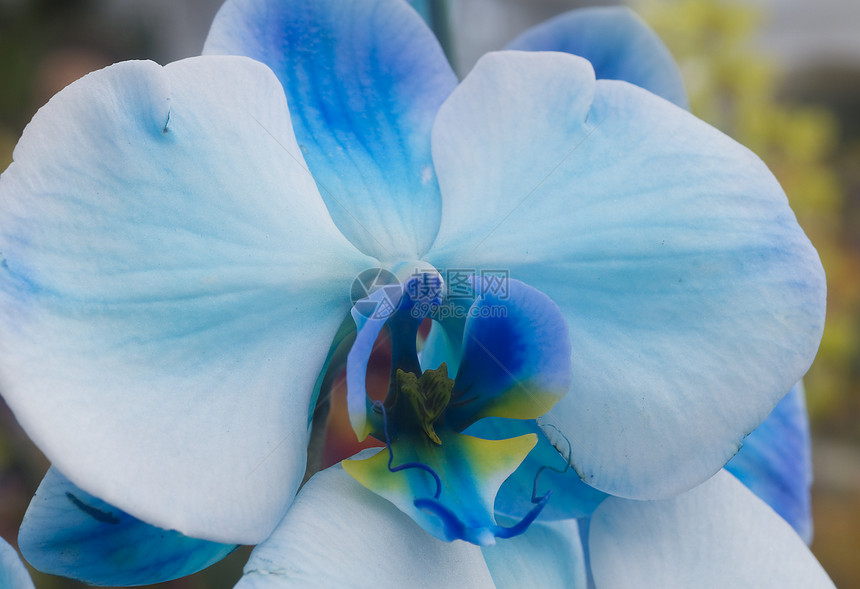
(363, 82)
(166, 291)
(68, 532)
(515, 363)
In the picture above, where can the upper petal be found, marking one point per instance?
(717, 535)
(170, 283)
(693, 299)
(68, 532)
(618, 44)
(364, 80)
(775, 462)
(339, 534)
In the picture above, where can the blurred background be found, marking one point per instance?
(780, 76)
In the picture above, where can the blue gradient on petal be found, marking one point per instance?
(618, 44)
(364, 80)
(13, 574)
(515, 348)
(775, 462)
(68, 532)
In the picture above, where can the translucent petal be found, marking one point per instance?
(548, 555)
(775, 462)
(364, 80)
(618, 44)
(70, 533)
(339, 534)
(13, 573)
(717, 535)
(171, 282)
(693, 299)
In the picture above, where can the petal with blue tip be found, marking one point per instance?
(13, 573)
(693, 298)
(515, 359)
(448, 489)
(70, 533)
(714, 536)
(775, 462)
(548, 555)
(364, 80)
(169, 287)
(618, 44)
(358, 539)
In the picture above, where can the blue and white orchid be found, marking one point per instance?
(178, 245)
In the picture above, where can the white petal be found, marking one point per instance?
(339, 534)
(717, 535)
(170, 284)
(694, 300)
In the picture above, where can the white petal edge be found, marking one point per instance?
(715, 536)
(339, 534)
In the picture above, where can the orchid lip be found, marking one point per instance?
(515, 364)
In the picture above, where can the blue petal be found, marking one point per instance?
(618, 44)
(548, 555)
(339, 534)
(693, 298)
(515, 358)
(13, 573)
(544, 472)
(364, 80)
(717, 535)
(70, 533)
(775, 462)
(170, 284)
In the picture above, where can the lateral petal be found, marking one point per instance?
(169, 286)
(68, 532)
(693, 298)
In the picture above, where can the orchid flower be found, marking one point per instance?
(178, 245)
